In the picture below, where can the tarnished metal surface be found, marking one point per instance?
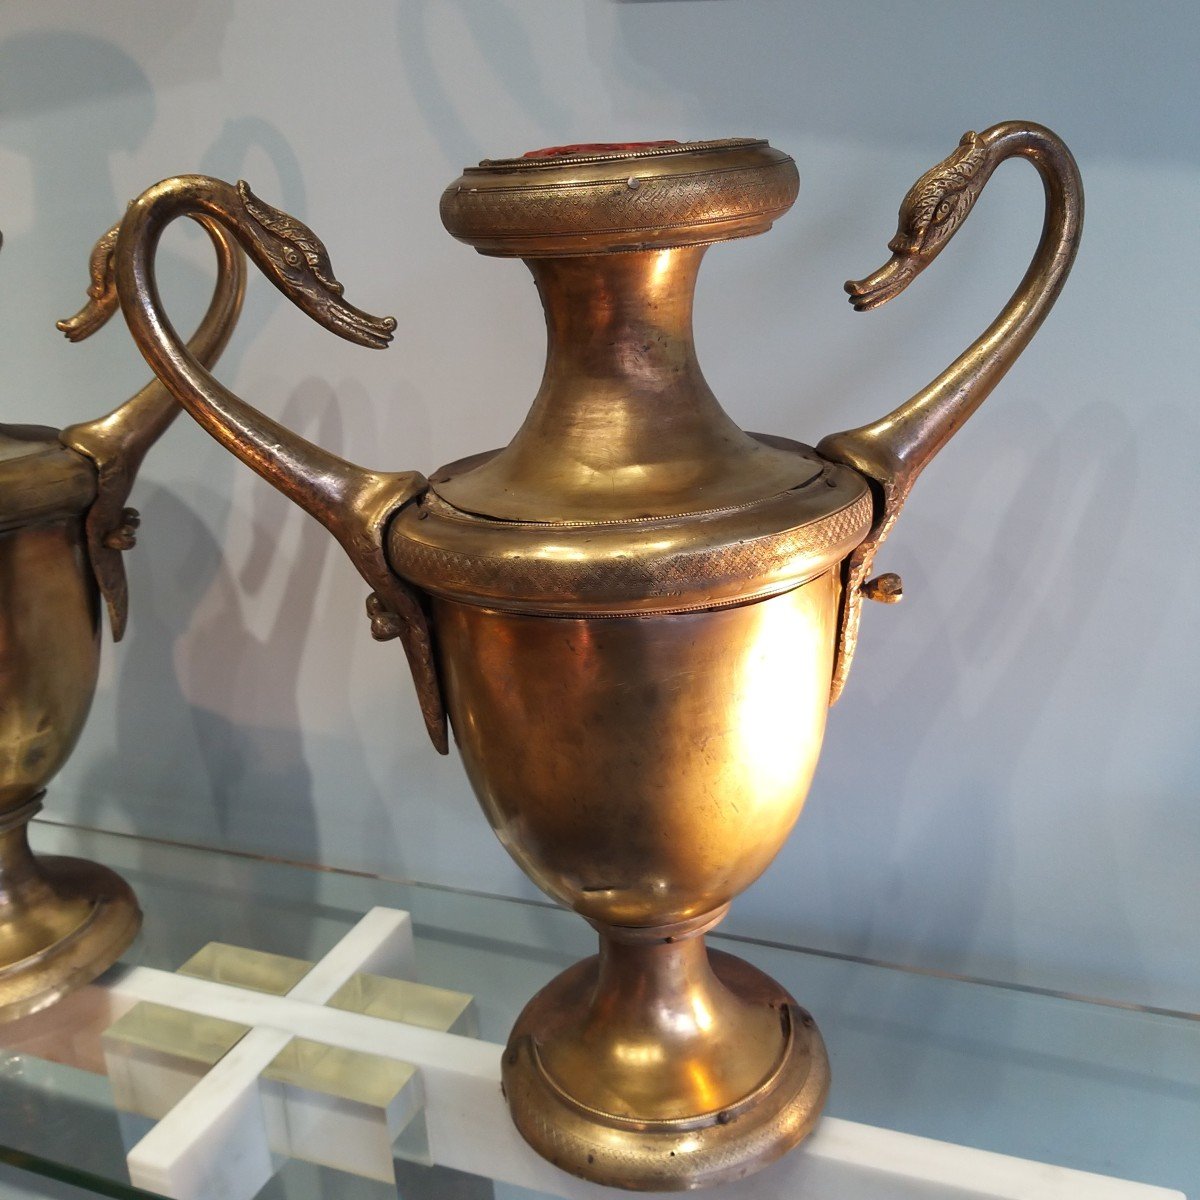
(580, 199)
(39, 480)
(665, 564)
(624, 425)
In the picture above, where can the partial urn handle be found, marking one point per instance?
(117, 443)
(893, 451)
(354, 504)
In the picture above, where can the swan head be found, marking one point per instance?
(102, 299)
(934, 208)
(938, 203)
(296, 261)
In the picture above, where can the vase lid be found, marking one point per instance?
(40, 479)
(599, 197)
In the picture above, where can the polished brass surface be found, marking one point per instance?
(699, 1068)
(632, 612)
(49, 638)
(193, 1044)
(364, 1079)
(39, 481)
(254, 970)
(592, 744)
(412, 1003)
(894, 450)
(63, 525)
(624, 424)
(705, 560)
(62, 922)
(181, 1047)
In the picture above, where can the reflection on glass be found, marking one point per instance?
(275, 974)
(155, 1054)
(411, 1003)
(339, 1108)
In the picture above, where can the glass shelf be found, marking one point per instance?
(1078, 1083)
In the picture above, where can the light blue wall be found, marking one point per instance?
(1009, 787)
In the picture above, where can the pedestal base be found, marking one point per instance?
(656, 1067)
(63, 921)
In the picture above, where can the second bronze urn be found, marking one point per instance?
(635, 615)
(63, 530)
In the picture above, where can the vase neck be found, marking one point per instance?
(623, 321)
(624, 424)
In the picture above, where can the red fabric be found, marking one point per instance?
(596, 148)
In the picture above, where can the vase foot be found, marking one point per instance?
(63, 921)
(659, 1067)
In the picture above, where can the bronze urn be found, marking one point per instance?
(63, 529)
(634, 615)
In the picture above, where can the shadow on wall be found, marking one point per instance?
(238, 138)
(878, 70)
(932, 916)
(256, 790)
(71, 102)
(208, 743)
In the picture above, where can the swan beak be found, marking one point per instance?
(357, 326)
(92, 316)
(890, 280)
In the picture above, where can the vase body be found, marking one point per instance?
(642, 770)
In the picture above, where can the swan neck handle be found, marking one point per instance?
(893, 451)
(356, 505)
(118, 442)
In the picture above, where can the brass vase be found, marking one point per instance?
(63, 528)
(634, 615)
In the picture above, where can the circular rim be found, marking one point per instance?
(660, 565)
(655, 197)
(608, 152)
(40, 478)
